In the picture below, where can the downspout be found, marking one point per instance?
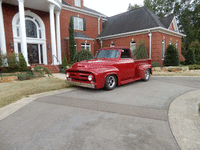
(99, 18)
(150, 34)
(101, 43)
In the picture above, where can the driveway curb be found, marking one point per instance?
(11, 108)
(184, 120)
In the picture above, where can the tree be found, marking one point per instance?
(171, 56)
(13, 64)
(161, 8)
(141, 51)
(189, 57)
(71, 40)
(131, 7)
(195, 46)
(22, 63)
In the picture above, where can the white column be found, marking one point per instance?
(58, 37)
(23, 30)
(53, 38)
(2, 33)
(150, 34)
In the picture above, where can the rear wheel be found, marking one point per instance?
(147, 75)
(110, 82)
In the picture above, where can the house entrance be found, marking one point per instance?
(33, 55)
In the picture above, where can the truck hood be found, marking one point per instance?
(95, 63)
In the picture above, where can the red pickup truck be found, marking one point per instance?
(111, 67)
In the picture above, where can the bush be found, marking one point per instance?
(189, 57)
(194, 67)
(22, 63)
(83, 55)
(171, 56)
(26, 76)
(41, 69)
(13, 64)
(182, 62)
(155, 64)
(64, 62)
(141, 51)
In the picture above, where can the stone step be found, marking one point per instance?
(51, 68)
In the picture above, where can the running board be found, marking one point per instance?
(130, 80)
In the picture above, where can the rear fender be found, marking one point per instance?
(140, 70)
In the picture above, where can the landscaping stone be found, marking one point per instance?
(171, 69)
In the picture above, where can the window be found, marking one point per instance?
(31, 29)
(107, 54)
(163, 49)
(78, 23)
(133, 46)
(77, 3)
(112, 45)
(85, 46)
(125, 53)
(75, 48)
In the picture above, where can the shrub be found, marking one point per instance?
(189, 57)
(71, 40)
(22, 63)
(83, 55)
(155, 64)
(41, 69)
(26, 76)
(171, 56)
(141, 51)
(182, 62)
(13, 64)
(194, 67)
(64, 62)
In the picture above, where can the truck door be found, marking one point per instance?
(126, 65)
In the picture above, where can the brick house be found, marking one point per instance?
(39, 30)
(131, 27)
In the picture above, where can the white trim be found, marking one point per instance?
(82, 11)
(2, 32)
(58, 37)
(42, 40)
(156, 29)
(174, 22)
(56, 3)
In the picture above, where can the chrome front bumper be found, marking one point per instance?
(81, 84)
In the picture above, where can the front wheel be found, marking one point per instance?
(147, 75)
(110, 82)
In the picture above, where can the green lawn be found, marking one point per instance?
(13, 91)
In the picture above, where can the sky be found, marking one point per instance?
(111, 7)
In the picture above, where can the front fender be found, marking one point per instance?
(101, 75)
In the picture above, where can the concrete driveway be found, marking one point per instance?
(133, 116)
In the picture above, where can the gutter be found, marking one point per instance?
(155, 29)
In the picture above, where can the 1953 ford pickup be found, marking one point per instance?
(111, 67)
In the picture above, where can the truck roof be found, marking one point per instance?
(116, 47)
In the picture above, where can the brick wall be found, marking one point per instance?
(156, 47)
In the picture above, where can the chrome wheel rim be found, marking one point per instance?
(147, 74)
(111, 81)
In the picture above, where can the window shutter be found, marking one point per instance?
(84, 24)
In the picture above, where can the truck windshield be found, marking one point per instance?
(107, 54)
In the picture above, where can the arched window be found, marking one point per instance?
(34, 26)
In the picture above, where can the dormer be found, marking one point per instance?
(75, 3)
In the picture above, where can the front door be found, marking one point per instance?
(33, 55)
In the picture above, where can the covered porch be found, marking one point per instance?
(29, 33)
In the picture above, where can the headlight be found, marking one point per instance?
(67, 74)
(90, 77)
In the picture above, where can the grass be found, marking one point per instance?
(13, 91)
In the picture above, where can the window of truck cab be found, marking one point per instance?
(77, 3)
(125, 53)
(107, 54)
